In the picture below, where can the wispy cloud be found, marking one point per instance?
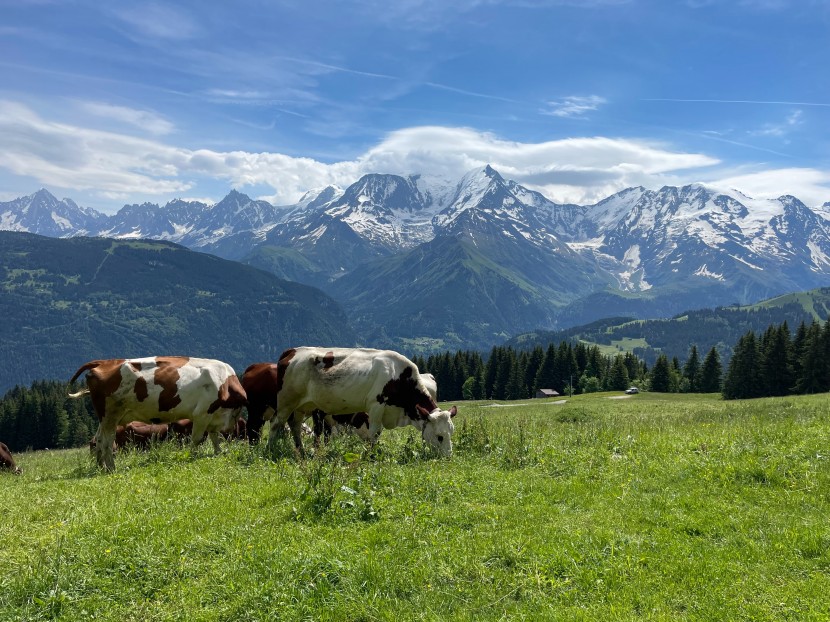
(574, 106)
(452, 89)
(736, 101)
(159, 21)
(143, 119)
(780, 130)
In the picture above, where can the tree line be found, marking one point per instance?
(776, 363)
(569, 368)
(43, 417)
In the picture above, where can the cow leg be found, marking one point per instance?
(256, 422)
(319, 427)
(214, 438)
(104, 439)
(296, 425)
(277, 430)
(375, 422)
(197, 436)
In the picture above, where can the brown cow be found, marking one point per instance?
(260, 383)
(183, 428)
(160, 389)
(140, 434)
(7, 460)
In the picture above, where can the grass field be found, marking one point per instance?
(656, 507)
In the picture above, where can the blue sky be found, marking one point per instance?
(116, 102)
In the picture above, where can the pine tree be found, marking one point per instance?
(534, 362)
(618, 378)
(691, 370)
(661, 375)
(711, 373)
(546, 376)
(743, 376)
(776, 361)
(813, 362)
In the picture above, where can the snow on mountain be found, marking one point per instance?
(42, 213)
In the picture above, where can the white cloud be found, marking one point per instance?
(581, 170)
(574, 106)
(812, 186)
(142, 119)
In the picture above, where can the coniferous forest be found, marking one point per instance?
(775, 363)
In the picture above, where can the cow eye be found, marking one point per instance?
(440, 439)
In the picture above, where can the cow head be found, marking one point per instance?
(437, 428)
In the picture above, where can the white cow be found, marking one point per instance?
(384, 384)
(161, 389)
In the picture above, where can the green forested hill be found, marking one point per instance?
(66, 301)
(705, 328)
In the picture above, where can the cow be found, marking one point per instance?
(182, 430)
(160, 389)
(139, 434)
(325, 425)
(384, 384)
(7, 462)
(260, 383)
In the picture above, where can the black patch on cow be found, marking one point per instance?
(404, 392)
(141, 391)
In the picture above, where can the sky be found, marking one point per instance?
(125, 102)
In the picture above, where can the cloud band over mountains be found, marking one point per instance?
(120, 166)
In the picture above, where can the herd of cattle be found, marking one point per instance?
(138, 400)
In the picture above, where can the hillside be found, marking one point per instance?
(720, 327)
(66, 301)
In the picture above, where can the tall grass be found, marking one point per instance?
(654, 507)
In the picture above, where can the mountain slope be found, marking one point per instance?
(68, 301)
(706, 328)
(446, 293)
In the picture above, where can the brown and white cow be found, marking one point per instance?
(160, 389)
(384, 384)
(7, 460)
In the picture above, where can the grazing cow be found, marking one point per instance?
(140, 434)
(7, 460)
(160, 389)
(260, 383)
(182, 429)
(384, 384)
(358, 423)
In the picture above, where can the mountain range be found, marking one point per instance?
(424, 263)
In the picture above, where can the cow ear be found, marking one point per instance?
(423, 413)
(453, 411)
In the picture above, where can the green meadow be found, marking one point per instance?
(655, 507)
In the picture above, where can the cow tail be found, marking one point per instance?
(83, 368)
